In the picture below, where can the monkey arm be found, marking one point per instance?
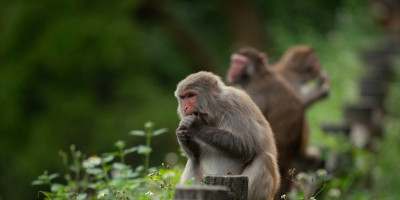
(189, 145)
(224, 141)
(320, 92)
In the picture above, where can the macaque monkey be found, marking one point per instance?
(279, 103)
(298, 66)
(222, 131)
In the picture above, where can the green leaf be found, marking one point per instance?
(130, 150)
(107, 158)
(190, 182)
(134, 185)
(144, 149)
(132, 175)
(137, 133)
(81, 196)
(73, 168)
(37, 182)
(94, 171)
(107, 168)
(160, 131)
(139, 168)
(46, 194)
(53, 176)
(67, 176)
(119, 166)
(56, 187)
(115, 153)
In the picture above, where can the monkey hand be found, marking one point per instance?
(324, 80)
(183, 136)
(190, 125)
(186, 137)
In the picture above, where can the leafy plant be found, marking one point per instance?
(109, 177)
(148, 133)
(308, 185)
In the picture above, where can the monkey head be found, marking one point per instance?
(197, 94)
(302, 60)
(246, 62)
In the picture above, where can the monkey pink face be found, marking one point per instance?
(189, 102)
(238, 63)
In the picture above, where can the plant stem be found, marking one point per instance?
(122, 155)
(147, 155)
(103, 165)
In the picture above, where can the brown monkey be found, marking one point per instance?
(299, 65)
(223, 132)
(278, 102)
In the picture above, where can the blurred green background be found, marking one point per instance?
(87, 72)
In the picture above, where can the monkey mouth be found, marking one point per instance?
(195, 113)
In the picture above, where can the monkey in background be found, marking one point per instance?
(299, 65)
(222, 131)
(279, 103)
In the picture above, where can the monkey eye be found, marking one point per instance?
(187, 95)
(190, 95)
(237, 61)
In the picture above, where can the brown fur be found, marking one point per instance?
(230, 135)
(279, 103)
(298, 66)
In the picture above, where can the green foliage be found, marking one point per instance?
(316, 183)
(109, 177)
(79, 72)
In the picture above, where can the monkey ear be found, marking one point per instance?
(215, 88)
(292, 60)
(263, 62)
(263, 57)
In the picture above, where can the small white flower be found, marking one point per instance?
(334, 192)
(322, 172)
(86, 164)
(100, 195)
(283, 196)
(91, 162)
(149, 192)
(301, 176)
(95, 160)
(168, 175)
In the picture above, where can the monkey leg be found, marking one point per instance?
(263, 177)
(192, 170)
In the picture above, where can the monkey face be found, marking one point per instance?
(305, 64)
(312, 67)
(238, 64)
(188, 100)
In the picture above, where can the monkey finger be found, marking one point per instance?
(181, 128)
(181, 131)
(180, 134)
(184, 137)
(187, 121)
